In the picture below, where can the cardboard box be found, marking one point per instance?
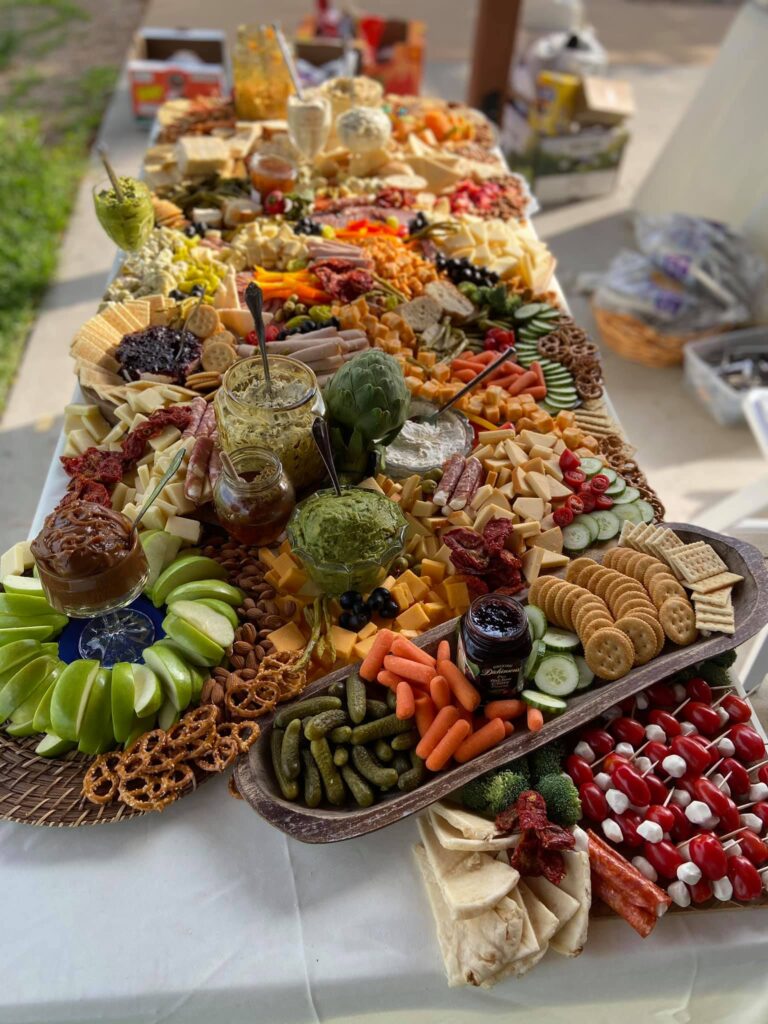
(561, 168)
(156, 74)
(605, 101)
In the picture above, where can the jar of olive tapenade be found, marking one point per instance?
(277, 416)
(493, 645)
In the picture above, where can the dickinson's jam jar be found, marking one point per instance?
(494, 643)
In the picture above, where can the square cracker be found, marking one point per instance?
(697, 562)
(717, 599)
(713, 583)
(627, 532)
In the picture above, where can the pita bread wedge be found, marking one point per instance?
(554, 898)
(469, 882)
(543, 921)
(529, 944)
(452, 838)
(469, 824)
(572, 936)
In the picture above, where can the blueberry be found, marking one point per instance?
(345, 620)
(350, 598)
(390, 610)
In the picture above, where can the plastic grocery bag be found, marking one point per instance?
(574, 53)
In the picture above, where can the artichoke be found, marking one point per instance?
(367, 402)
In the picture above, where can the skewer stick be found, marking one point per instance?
(102, 151)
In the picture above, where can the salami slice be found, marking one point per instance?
(614, 869)
(208, 421)
(197, 408)
(197, 470)
(641, 919)
(467, 485)
(452, 471)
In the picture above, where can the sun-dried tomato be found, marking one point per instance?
(532, 810)
(94, 464)
(83, 489)
(496, 533)
(462, 537)
(476, 585)
(472, 562)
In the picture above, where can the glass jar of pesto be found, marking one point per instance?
(279, 417)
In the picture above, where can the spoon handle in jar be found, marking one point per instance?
(486, 372)
(175, 463)
(323, 442)
(255, 300)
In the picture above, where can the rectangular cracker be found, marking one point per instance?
(717, 599)
(697, 561)
(627, 532)
(713, 583)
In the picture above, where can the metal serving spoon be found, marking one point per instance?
(323, 442)
(175, 463)
(255, 302)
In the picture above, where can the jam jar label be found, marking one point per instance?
(494, 679)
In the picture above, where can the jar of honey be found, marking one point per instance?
(254, 503)
(270, 172)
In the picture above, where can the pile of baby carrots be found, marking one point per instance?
(515, 379)
(441, 700)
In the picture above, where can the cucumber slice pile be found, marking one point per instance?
(543, 702)
(560, 640)
(561, 390)
(537, 621)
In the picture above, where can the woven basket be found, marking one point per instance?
(637, 341)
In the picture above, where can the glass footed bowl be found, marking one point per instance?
(361, 575)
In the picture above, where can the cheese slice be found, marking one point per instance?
(531, 562)
(539, 484)
(529, 508)
(557, 489)
(552, 560)
(551, 539)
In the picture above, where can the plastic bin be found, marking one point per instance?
(703, 357)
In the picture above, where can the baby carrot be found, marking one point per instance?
(406, 705)
(448, 745)
(388, 679)
(443, 651)
(535, 719)
(410, 670)
(405, 648)
(374, 659)
(443, 721)
(425, 714)
(480, 741)
(537, 392)
(504, 709)
(508, 728)
(536, 368)
(465, 376)
(464, 692)
(483, 357)
(524, 381)
(441, 692)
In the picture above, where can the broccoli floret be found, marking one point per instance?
(725, 659)
(493, 792)
(715, 674)
(547, 760)
(521, 766)
(562, 799)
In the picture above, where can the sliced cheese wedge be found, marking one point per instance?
(570, 939)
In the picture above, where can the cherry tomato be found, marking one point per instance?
(656, 751)
(762, 774)
(753, 847)
(628, 822)
(600, 740)
(656, 788)
(662, 816)
(750, 746)
(665, 721)
(701, 891)
(661, 695)
(599, 483)
(628, 730)
(563, 516)
(630, 781)
(593, 802)
(729, 819)
(705, 718)
(736, 774)
(706, 851)
(699, 689)
(747, 883)
(714, 798)
(761, 810)
(664, 857)
(602, 501)
(613, 760)
(738, 709)
(569, 460)
(691, 752)
(579, 770)
(575, 504)
(587, 499)
(574, 478)
(682, 828)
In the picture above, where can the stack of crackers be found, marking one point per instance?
(594, 418)
(697, 566)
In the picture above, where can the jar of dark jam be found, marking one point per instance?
(493, 646)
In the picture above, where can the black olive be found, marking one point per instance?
(390, 610)
(377, 598)
(176, 294)
(190, 231)
(356, 623)
(345, 620)
(198, 290)
(350, 598)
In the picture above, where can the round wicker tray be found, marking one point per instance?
(636, 341)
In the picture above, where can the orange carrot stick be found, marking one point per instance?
(465, 364)
(388, 679)
(464, 692)
(484, 357)
(410, 670)
(443, 651)
(465, 376)
(441, 692)
(526, 380)
(374, 659)
(508, 728)
(406, 703)
(405, 648)
(448, 745)
(538, 392)
(480, 741)
(425, 714)
(536, 367)
(504, 709)
(443, 721)
(535, 719)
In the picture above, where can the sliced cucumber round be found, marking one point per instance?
(591, 466)
(560, 640)
(576, 537)
(587, 520)
(627, 495)
(647, 514)
(618, 486)
(543, 702)
(537, 620)
(538, 651)
(586, 675)
(630, 512)
(557, 675)
(608, 523)
(611, 474)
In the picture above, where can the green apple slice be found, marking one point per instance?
(161, 549)
(12, 656)
(10, 635)
(54, 620)
(199, 679)
(222, 608)
(147, 691)
(23, 585)
(25, 712)
(70, 698)
(96, 734)
(124, 718)
(145, 725)
(185, 570)
(42, 716)
(173, 672)
(197, 647)
(168, 715)
(22, 684)
(25, 605)
(201, 589)
(216, 627)
(52, 745)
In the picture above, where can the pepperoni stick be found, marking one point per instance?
(208, 421)
(467, 484)
(639, 918)
(197, 469)
(452, 470)
(607, 863)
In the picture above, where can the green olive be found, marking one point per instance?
(433, 474)
(417, 568)
(278, 317)
(428, 486)
(289, 307)
(401, 563)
